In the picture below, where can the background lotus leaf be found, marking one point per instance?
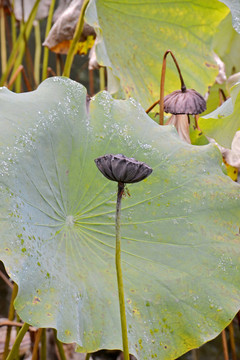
(227, 45)
(133, 36)
(234, 6)
(27, 5)
(223, 123)
(180, 229)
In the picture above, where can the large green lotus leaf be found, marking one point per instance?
(234, 6)
(223, 123)
(180, 242)
(133, 36)
(226, 44)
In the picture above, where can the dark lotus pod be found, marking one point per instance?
(184, 102)
(122, 169)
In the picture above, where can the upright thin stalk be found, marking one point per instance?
(36, 344)
(20, 336)
(6, 279)
(59, 346)
(225, 347)
(11, 313)
(238, 318)
(194, 354)
(37, 57)
(102, 78)
(119, 273)
(58, 65)
(24, 31)
(183, 87)
(13, 26)
(18, 63)
(43, 345)
(232, 341)
(46, 50)
(23, 50)
(87, 357)
(3, 40)
(76, 37)
(91, 81)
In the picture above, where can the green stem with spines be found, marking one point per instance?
(119, 273)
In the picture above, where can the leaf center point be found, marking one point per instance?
(70, 220)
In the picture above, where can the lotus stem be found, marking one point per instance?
(76, 37)
(14, 76)
(183, 86)
(6, 279)
(194, 354)
(25, 78)
(25, 30)
(222, 96)
(13, 26)
(87, 357)
(46, 50)
(36, 344)
(43, 345)
(11, 313)
(58, 65)
(91, 82)
(238, 318)
(152, 106)
(37, 57)
(225, 347)
(232, 341)
(3, 40)
(102, 78)
(18, 63)
(60, 347)
(20, 336)
(50, 72)
(119, 273)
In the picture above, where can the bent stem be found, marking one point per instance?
(183, 87)
(20, 336)
(119, 273)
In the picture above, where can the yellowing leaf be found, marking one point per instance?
(133, 36)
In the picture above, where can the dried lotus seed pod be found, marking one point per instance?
(187, 101)
(122, 169)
